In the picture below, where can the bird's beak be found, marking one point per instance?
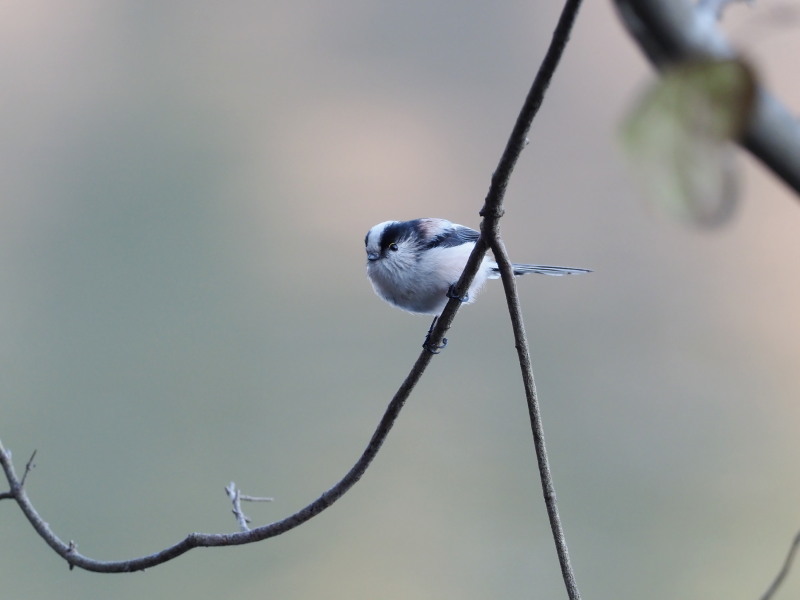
(371, 256)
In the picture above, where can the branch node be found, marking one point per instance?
(72, 548)
(492, 211)
(236, 498)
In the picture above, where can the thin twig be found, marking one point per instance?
(537, 428)
(236, 499)
(492, 212)
(28, 468)
(246, 498)
(787, 564)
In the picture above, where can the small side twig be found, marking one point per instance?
(237, 498)
(787, 565)
(28, 468)
(246, 498)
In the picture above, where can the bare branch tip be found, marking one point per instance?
(246, 498)
(230, 490)
(29, 466)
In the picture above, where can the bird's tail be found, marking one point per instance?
(519, 269)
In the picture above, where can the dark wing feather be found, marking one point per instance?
(454, 236)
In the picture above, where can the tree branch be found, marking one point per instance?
(491, 212)
(787, 564)
(194, 540)
(670, 31)
(534, 413)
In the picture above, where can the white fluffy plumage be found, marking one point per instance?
(413, 264)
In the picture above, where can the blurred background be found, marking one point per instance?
(184, 193)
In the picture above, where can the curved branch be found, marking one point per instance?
(68, 551)
(676, 30)
(787, 564)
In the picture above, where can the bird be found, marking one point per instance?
(415, 264)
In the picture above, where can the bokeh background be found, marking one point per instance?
(184, 193)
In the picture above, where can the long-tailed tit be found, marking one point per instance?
(414, 264)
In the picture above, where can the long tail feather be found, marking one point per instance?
(520, 269)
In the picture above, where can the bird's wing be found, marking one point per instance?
(454, 236)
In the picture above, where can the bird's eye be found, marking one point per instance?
(393, 247)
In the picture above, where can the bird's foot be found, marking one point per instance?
(451, 293)
(428, 345)
(433, 348)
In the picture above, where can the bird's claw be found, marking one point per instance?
(433, 348)
(430, 346)
(451, 293)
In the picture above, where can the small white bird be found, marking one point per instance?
(414, 264)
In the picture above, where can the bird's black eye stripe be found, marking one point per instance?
(394, 234)
(366, 239)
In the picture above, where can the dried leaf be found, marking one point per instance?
(679, 137)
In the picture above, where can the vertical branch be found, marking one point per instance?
(490, 229)
(491, 212)
(526, 368)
